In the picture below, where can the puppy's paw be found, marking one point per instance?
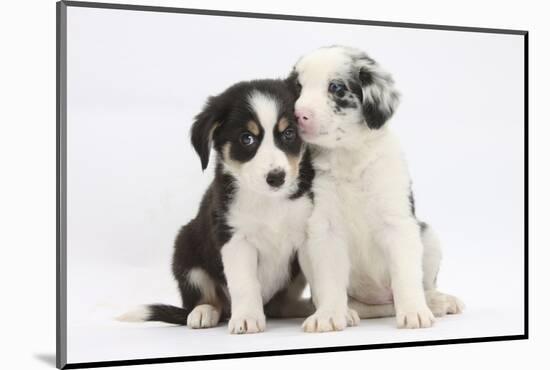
(247, 323)
(203, 316)
(420, 317)
(352, 317)
(456, 306)
(442, 304)
(322, 321)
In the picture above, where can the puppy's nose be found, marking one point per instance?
(304, 117)
(275, 178)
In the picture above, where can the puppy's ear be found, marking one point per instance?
(204, 127)
(380, 98)
(293, 84)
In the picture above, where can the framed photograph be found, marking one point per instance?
(238, 184)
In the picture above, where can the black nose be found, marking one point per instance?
(275, 178)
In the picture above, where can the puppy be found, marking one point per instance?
(365, 244)
(239, 253)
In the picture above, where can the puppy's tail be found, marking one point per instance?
(156, 312)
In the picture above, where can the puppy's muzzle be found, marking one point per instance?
(305, 121)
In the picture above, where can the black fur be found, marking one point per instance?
(293, 84)
(169, 314)
(355, 88)
(291, 147)
(223, 121)
(422, 225)
(305, 180)
(199, 242)
(374, 116)
(411, 202)
(363, 77)
(344, 98)
(344, 102)
(359, 75)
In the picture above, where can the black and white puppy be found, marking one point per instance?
(239, 253)
(365, 244)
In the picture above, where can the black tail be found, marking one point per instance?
(156, 312)
(167, 313)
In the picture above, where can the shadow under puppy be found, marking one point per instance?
(239, 253)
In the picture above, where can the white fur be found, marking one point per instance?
(268, 157)
(203, 282)
(268, 228)
(265, 107)
(363, 239)
(316, 70)
(256, 259)
(314, 78)
(203, 316)
(138, 314)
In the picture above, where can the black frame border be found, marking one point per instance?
(61, 183)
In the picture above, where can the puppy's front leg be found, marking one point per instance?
(401, 240)
(240, 264)
(324, 260)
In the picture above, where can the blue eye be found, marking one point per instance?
(247, 139)
(335, 88)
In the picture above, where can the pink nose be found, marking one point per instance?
(304, 117)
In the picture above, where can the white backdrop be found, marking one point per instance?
(136, 79)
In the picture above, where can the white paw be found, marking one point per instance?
(247, 323)
(420, 317)
(442, 304)
(323, 321)
(203, 316)
(352, 317)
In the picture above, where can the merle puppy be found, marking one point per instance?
(366, 250)
(239, 253)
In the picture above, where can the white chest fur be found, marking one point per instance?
(359, 189)
(275, 227)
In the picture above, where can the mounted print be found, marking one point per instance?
(240, 184)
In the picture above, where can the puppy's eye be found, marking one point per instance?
(336, 88)
(289, 135)
(298, 86)
(247, 139)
